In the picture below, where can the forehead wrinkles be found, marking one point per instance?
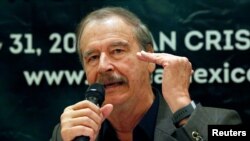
(112, 41)
(109, 43)
(98, 29)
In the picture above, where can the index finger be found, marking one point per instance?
(157, 58)
(85, 104)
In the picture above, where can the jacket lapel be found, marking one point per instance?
(164, 125)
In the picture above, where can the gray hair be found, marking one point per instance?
(141, 32)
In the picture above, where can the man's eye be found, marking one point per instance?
(93, 58)
(117, 51)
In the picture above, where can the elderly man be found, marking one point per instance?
(115, 49)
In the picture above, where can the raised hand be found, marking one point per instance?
(176, 77)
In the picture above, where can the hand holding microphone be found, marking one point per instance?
(95, 94)
(82, 121)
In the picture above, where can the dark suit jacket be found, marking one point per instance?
(198, 121)
(200, 118)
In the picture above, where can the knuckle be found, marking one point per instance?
(65, 115)
(65, 133)
(185, 59)
(68, 108)
(65, 123)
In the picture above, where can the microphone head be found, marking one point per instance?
(97, 92)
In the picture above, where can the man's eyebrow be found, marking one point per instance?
(119, 43)
(112, 44)
(88, 52)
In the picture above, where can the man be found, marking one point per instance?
(115, 48)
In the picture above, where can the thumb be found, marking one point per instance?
(106, 110)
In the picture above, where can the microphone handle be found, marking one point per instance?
(82, 138)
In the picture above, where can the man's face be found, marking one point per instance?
(109, 56)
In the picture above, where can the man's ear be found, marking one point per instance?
(151, 66)
(149, 48)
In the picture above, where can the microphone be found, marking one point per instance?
(95, 94)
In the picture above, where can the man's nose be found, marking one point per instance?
(105, 63)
